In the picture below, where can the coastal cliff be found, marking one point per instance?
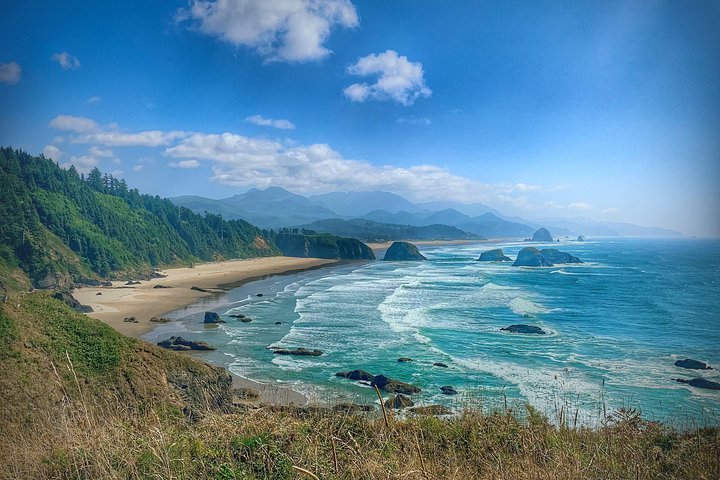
(322, 246)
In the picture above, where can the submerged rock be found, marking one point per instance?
(448, 390)
(356, 375)
(403, 251)
(298, 351)
(526, 329)
(440, 364)
(399, 401)
(700, 383)
(236, 315)
(245, 320)
(554, 256)
(495, 255)
(278, 323)
(179, 343)
(212, 317)
(691, 364)
(394, 386)
(405, 360)
(542, 235)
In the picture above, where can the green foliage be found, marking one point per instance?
(8, 335)
(55, 223)
(370, 231)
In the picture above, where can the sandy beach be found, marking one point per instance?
(113, 304)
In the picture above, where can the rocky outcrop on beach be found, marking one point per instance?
(297, 351)
(691, 364)
(356, 375)
(530, 257)
(394, 386)
(555, 256)
(180, 344)
(212, 317)
(542, 235)
(71, 302)
(399, 401)
(160, 320)
(198, 289)
(525, 329)
(130, 320)
(403, 251)
(700, 383)
(495, 255)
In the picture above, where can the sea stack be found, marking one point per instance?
(495, 255)
(555, 256)
(531, 257)
(403, 251)
(542, 235)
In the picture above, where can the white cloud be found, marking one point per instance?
(398, 79)
(414, 121)
(137, 168)
(52, 152)
(93, 100)
(609, 210)
(580, 206)
(99, 152)
(73, 124)
(66, 61)
(269, 122)
(116, 173)
(83, 164)
(91, 132)
(524, 187)
(10, 73)
(280, 30)
(184, 164)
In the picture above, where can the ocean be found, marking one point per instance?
(616, 324)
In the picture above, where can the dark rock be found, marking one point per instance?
(298, 351)
(258, 294)
(179, 343)
(278, 323)
(160, 320)
(132, 282)
(352, 407)
(212, 317)
(542, 235)
(99, 293)
(700, 383)
(405, 360)
(448, 390)
(399, 401)
(527, 329)
(431, 410)
(71, 302)
(692, 364)
(356, 375)
(236, 315)
(580, 238)
(394, 386)
(531, 257)
(162, 286)
(554, 256)
(440, 364)
(198, 289)
(403, 251)
(245, 320)
(323, 246)
(495, 255)
(131, 320)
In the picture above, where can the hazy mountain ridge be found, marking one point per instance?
(275, 207)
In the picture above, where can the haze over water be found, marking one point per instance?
(616, 325)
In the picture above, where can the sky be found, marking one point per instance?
(602, 109)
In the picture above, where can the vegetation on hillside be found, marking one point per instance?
(58, 225)
(295, 242)
(114, 407)
(370, 231)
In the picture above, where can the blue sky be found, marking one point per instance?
(604, 109)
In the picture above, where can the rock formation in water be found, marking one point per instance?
(527, 329)
(542, 235)
(691, 364)
(212, 317)
(555, 256)
(179, 343)
(530, 257)
(495, 255)
(403, 251)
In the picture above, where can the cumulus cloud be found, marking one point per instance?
(83, 164)
(269, 122)
(414, 121)
(90, 132)
(398, 79)
(66, 61)
(609, 210)
(280, 30)
(580, 206)
(10, 73)
(52, 152)
(184, 164)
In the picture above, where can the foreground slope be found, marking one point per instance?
(60, 227)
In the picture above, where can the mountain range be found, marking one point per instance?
(275, 207)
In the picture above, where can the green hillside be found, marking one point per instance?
(370, 231)
(59, 226)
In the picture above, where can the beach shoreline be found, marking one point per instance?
(146, 300)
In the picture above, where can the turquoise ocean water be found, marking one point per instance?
(616, 324)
